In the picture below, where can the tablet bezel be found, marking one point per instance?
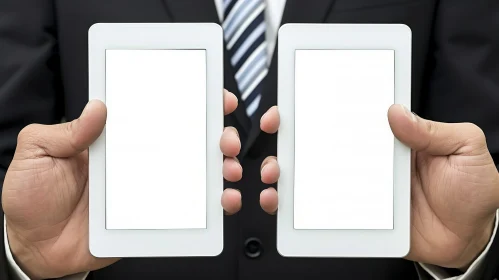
(341, 243)
(158, 243)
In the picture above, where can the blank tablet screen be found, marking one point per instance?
(156, 139)
(343, 142)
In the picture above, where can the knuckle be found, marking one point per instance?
(69, 128)
(28, 133)
(431, 127)
(476, 132)
(29, 142)
(69, 131)
(475, 129)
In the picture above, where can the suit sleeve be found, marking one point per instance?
(463, 78)
(29, 78)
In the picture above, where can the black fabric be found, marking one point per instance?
(491, 267)
(44, 77)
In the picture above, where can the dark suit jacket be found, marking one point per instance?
(44, 77)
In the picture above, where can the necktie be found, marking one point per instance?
(244, 33)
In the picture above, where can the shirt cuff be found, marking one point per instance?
(439, 273)
(16, 271)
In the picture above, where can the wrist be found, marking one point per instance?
(478, 245)
(25, 257)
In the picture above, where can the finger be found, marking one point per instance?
(435, 138)
(230, 102)
(67, 139)
(231, 201)
(269, 200)
(232, 170)
(230, 144)
(270, 170)
(270, 121)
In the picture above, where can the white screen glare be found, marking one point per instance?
(343, 142)
(156, 139)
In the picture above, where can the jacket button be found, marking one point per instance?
(253, 247)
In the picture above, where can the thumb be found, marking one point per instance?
(66, 139)
(435, 138)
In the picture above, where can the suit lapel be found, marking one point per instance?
(299, 11)
(205, 11)
(296, 11)
(192, 10)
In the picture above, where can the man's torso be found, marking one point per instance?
(73, 18)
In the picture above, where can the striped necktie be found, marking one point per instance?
(244, 33)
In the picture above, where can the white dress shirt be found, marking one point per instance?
(273, 15)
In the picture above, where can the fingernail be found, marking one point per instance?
(85, 110)
(232, 129)
(228, 91)
(263, 168)
(236, 160)
(409, 113)
(263, 116)
(235, 130)
(269, 189)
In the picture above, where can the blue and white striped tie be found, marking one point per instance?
(244, 32)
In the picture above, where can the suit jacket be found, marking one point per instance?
(44, 77)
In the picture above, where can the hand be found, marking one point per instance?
(454, 186)
(45, 193)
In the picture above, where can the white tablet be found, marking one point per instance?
(344, 189)
(156, 171)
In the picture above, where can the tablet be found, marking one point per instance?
(155, 173)
(344, 189)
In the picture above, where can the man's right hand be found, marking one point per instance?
(45, 193)
(45, 196)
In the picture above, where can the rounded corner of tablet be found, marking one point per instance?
(218, 250)
(94, 27)
(284, 28)
(94, 249)
(400, 247)
(405, 27)
(403, 250)
(405, 30)
(282, 250)
(215, 26)
(215, 29)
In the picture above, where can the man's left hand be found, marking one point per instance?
(454, 187)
